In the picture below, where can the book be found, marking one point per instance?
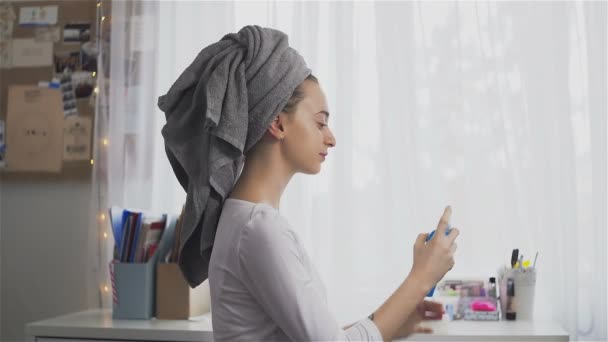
(136, 229)
(125, 235)
(116, 221)
(137, 234)
(176, 242)
(132, 221)
(139, 250)
(153, 236)
(150, 251)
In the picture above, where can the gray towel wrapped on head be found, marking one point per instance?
(218, 108)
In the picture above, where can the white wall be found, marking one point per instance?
(43, 229)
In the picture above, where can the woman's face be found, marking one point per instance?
(308, 135)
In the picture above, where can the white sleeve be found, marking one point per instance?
(273, 272)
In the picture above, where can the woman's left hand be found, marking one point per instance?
(425, 310)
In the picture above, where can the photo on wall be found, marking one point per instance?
(83, 83)
(77, 32)
(69, 96)
(68, 61)
(88, 56)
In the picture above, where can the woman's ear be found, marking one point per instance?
(276, 128)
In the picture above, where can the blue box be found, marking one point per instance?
(136, 282)
(135, 289)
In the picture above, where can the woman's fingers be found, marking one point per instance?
(443, 221)
(432, 310)
(453, 234)
(423, 330)
(429, 316)
(433, 306)
(453, 248)
(420, 239)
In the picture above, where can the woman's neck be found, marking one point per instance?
(262, 182)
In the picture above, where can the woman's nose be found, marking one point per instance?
(330, 140)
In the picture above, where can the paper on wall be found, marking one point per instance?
(47, 34)
(77, 138)
(6, 54)
(38, 15)
(30, 53)
(7, 19)
(34, 129)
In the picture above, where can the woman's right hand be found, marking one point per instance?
(398, 314)
(433, 259)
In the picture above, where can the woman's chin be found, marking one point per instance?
(313, 170)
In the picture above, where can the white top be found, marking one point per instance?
(264, 286)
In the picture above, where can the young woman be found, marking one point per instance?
(263, 284)
(250, 95)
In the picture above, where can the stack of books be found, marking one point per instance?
(136, 234)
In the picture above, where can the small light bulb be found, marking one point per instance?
(105, 142)
(94, 73)
(105, 288)
(102, 216)
(92, 162)
(103, 18)
(96, 90)
(105, 235)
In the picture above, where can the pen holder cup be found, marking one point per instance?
(525, 284)
(175, 299)
(135, 288)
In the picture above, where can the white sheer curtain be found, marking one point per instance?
(497, 108)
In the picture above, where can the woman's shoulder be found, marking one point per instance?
(265, 219)
(265, 228)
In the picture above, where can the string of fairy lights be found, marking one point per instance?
(101, 144)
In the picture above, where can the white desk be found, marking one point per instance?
(97, 325)
(492, 331)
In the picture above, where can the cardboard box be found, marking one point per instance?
(34, 129)
(175, 299)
